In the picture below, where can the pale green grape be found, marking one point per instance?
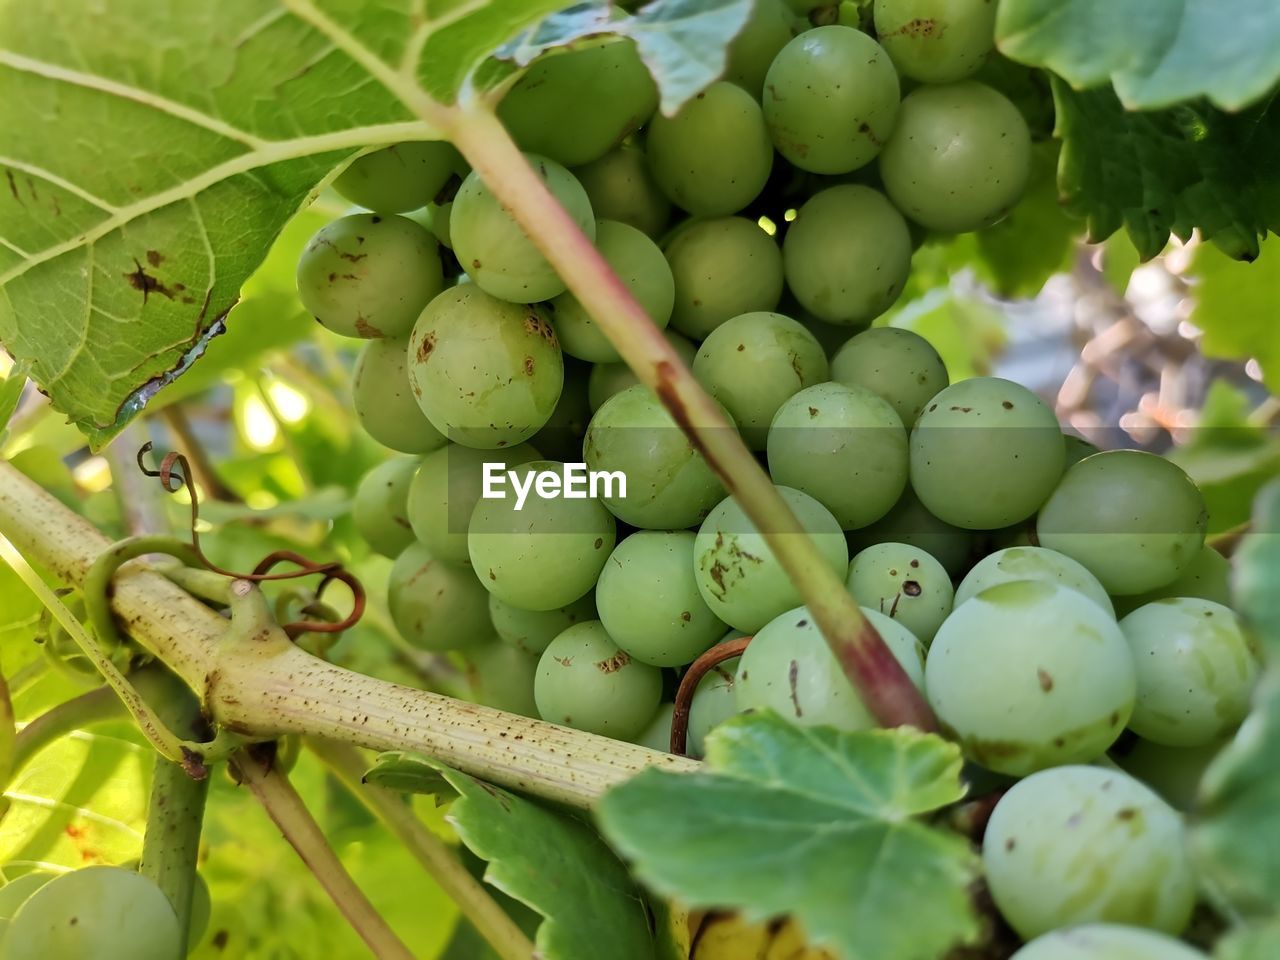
(402, 177)
(440, 215)
(657, 735)
(904, 583)
(1207, 576)
(384, 402)
(1196, 671)
(1134, 519)
(1031, 563)
(738, 575)
(380, 507)
(898, 365)
(985, 453)
(669, 485)
(532, 630)
(608, 379)
(788, 668)
(909, 522)
(1030, 674)
(959, 157)
(95, 913)
(831, 99)
(445, 491)
(545, 554)
(18, 890)
(493, 249)
(501, 676)
(714, 702)
(753, 363)
(1106, 941)
(649, 602)
(369, 275)
(722, 268)
(936, 41)
(842, 445)
(1077, 449)
(1083, 844)
(620, 187)
(847, 255)
(575, 106)
(585, 681)
(437, 605)
(641, 267)
(487, 373)
(560, 438)
(1173, 772)
(201, 909)
(769, 28)
(714, 156)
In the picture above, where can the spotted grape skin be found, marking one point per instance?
(899, 365)
(936, 41)
(905, 584)
(532, 630)
(1031, 563)
(723, 267)
(437, 605)
(384, 402)
(401, 177)
(714, 702)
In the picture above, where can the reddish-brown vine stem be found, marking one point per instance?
(689, 685)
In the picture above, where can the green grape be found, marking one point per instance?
(831, 99)
(936, 41)
(400, 178)
(669, 485)
(642, 269)
(501, 676)
(1134, 519)
(95, 913)
(722, 268)
(1106, 941)
(714, 156)
(985, 453)
(845, 447)
(445, 491)
(898, 365)
(1173, 772)
(649, 602)
(487, 373)
(905, 584)
(1030, 674)
(738, 575)
(440, 216)
(1083, 844)
(201, 909)
(714, 701)
(17, 891)
(493, 249)
(560, 438)
(959, 157)
(847, 255)
(380, 510)
(369, 276)
(753, 363)
(788, 668)
(620, 187)
(657, 735)
(437, 605)
(769, 28)
(1207, 576)
(585, 681)
(910, 523)
(532, 630)
(1076, 449)
(608, 379)
(543, 553)
(574, 106)
(1032, 563)
(384, 402)
(1196, 671)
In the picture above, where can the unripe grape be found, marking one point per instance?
(18, 891)
(380, 507)
(401, 177)
(585, 681)
(714, 702)
(901, 366)
(493, 249)
(1032, 563)
(369, 275)
(560, 438)
(532, 630)
(722, 268)
(501, 676)
(620, 187)
(1207, 576)
(936, 41)
(1173, 772)
(608, 379)
(657, 735)
(384, 402)
(437, 605)
(1107, 941)
(905, 584)
(910, 523)
(769, 28)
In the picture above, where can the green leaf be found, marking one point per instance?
(1250, 943)
(1235, 306)
(410, 773)
(11, 392)
(1257, 570)
(557, 866)
(1155, 52)
(813, 823)
(1168, 171)
(966, 332)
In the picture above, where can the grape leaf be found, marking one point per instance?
(557, 866)
(811, 822)
(1235, 306)
(1155, 52)
(1169, 171)
(1257, 570)
(11, 393)
(410, 773)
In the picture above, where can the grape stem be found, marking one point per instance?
(171, 844)
(689, 686)
(881, 682)
(445, 868)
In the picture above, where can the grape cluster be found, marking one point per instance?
(778, 207)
